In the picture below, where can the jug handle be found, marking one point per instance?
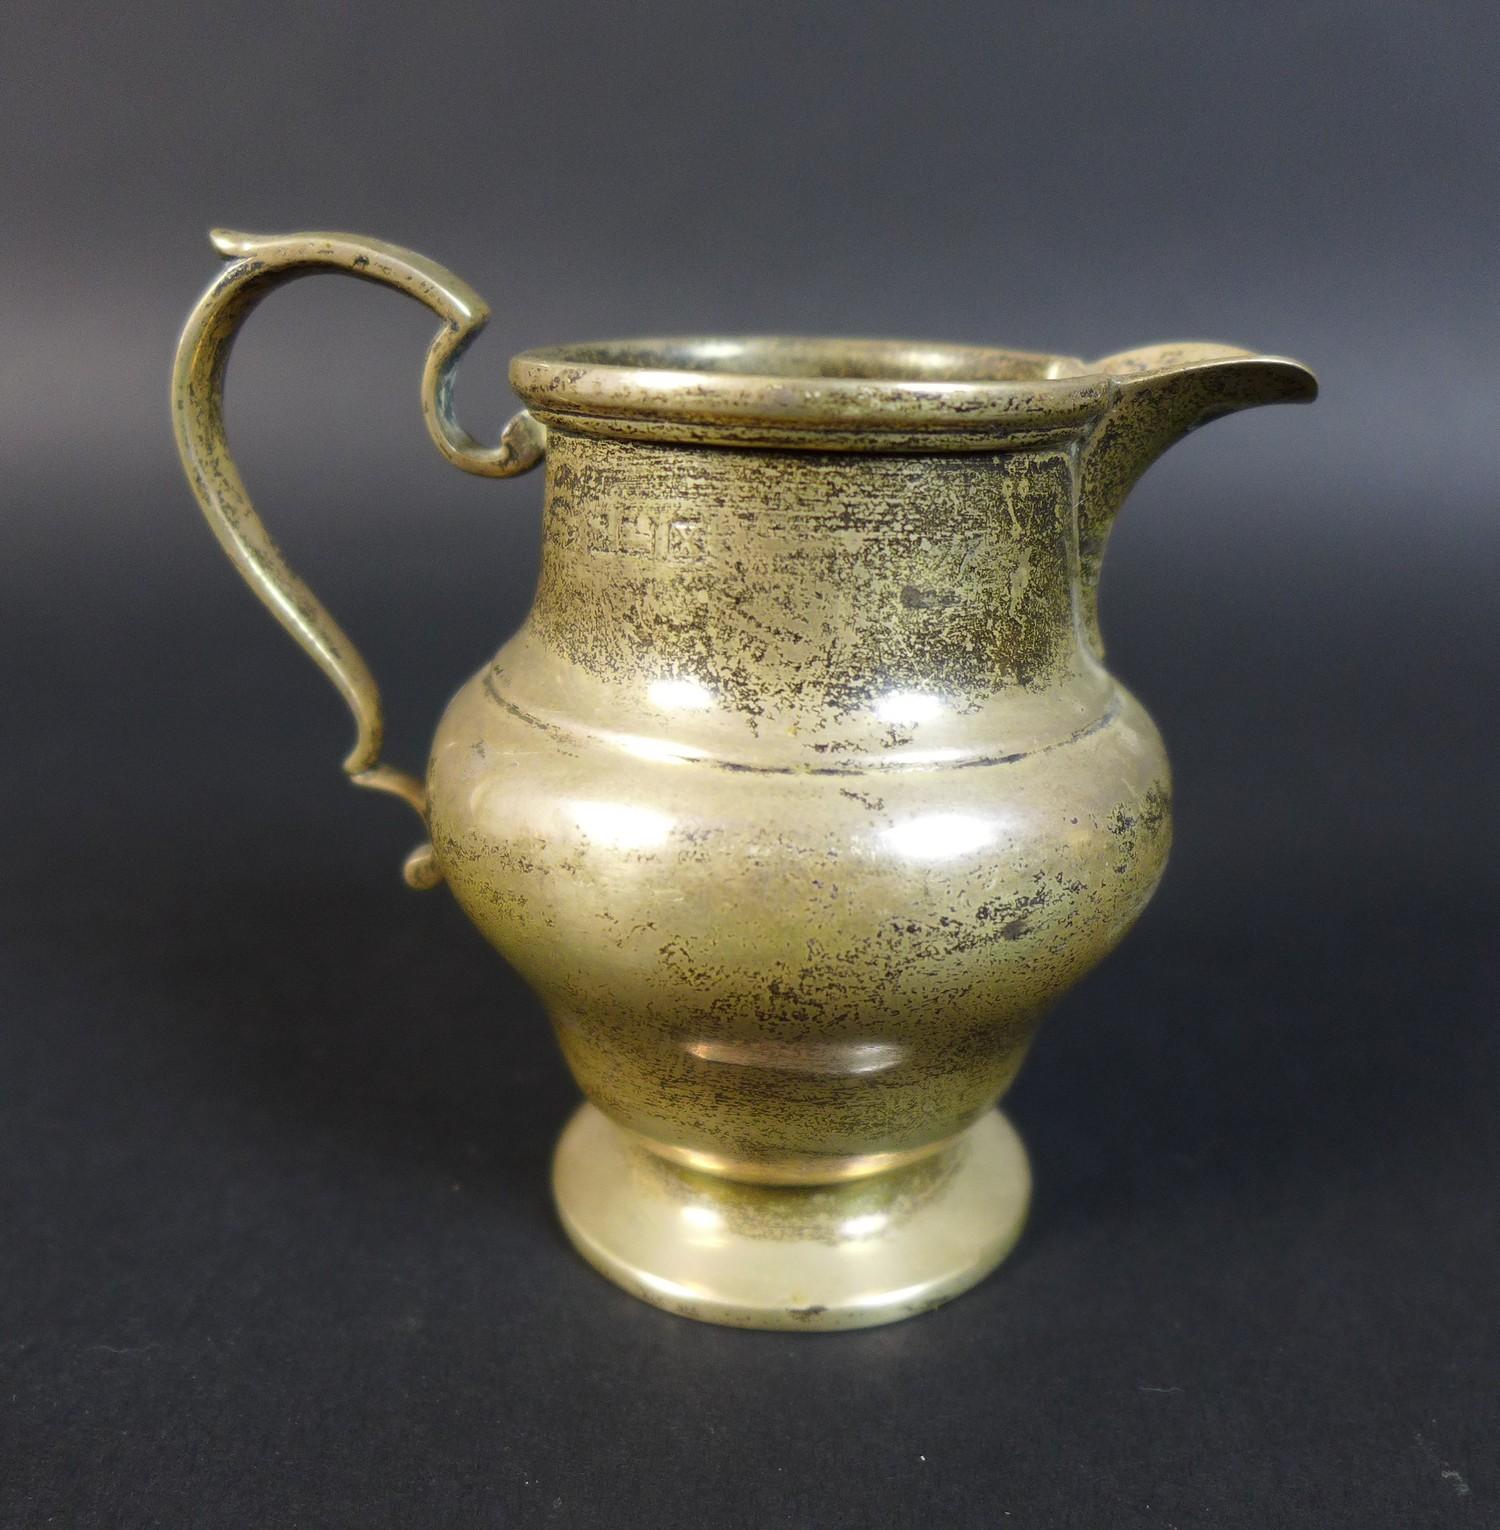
(261, 264)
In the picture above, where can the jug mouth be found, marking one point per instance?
(810, 392)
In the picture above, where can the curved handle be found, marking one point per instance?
(262, 263)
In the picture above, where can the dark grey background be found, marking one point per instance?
(276, 1247)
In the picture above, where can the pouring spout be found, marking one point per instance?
(1159, 393)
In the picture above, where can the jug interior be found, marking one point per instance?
(806, 358)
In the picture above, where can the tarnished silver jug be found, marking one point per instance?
(803, 791)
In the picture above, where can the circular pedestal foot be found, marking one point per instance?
(848, 1255)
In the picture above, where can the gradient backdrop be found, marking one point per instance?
(275, 1242)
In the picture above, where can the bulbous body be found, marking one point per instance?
(802, 791)
(800, 795)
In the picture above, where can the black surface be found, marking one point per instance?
(279, 1248)
(275, 1241)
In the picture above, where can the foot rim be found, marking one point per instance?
(795, 1258)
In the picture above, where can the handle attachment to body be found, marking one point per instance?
(261, 264)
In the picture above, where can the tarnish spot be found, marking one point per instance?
(916, 599)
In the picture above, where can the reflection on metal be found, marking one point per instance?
(940, 836)
(620, 825)
(843, 1059)
(904, 708)
(677, 695)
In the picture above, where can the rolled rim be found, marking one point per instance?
(806, 390)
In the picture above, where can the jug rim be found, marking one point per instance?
(815, 392)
